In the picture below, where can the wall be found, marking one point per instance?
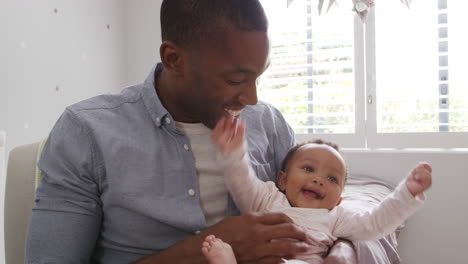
(55, 53)
(2, 177)
(3, 66)
(143, 38)
(436, 233)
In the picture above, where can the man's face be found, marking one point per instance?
(221, 76)
(314, 177)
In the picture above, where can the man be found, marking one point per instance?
(133, 178)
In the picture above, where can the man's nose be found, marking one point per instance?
(248, 95)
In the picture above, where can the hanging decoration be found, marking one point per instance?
(361, 7)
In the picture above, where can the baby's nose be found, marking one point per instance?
(316, 181)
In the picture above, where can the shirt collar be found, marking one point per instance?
(158, 113)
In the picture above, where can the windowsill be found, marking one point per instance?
(461, 151)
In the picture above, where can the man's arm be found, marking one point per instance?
(66, 219)
(249, 235)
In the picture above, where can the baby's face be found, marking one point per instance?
(314, 177)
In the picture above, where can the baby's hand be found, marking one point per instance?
(419, 179)
(228, 134)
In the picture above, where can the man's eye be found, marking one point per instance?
(332, 179)
(308, 169)
(231, 82)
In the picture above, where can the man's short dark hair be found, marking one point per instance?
(185, 22)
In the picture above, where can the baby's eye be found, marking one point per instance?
(308, 169)
(332, 179)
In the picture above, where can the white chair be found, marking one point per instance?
(19, 199)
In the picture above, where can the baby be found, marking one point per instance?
(309, 190)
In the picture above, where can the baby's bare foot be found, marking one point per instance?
(217, 252)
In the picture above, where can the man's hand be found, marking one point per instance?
(262, 238)
(249, 235)
(342, 252)
(419, 179)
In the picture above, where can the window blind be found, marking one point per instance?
(311, 76)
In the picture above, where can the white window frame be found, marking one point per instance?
(366, 135)
(397, 140)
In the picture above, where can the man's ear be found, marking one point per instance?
(339, 201)
(282, 179)
(172, 57)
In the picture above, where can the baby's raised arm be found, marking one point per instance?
(390, 213)
(249, 193)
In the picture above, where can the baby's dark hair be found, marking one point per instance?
(293, 150)
(185, 22)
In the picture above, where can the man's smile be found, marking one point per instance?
(234, 112)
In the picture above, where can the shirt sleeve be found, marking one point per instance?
(248, 192)
(66, 219)
(381, 220)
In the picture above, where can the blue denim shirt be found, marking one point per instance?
(117, 174)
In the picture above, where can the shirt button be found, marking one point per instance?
(186, 147)
(168, 120)
(191, 192)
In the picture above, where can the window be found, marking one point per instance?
(395, 81)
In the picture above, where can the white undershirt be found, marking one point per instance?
(213, 191)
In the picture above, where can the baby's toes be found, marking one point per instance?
(206, 245)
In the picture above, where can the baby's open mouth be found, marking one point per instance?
(312, 194)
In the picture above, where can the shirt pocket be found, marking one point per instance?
(262, 159)
(264, 171)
